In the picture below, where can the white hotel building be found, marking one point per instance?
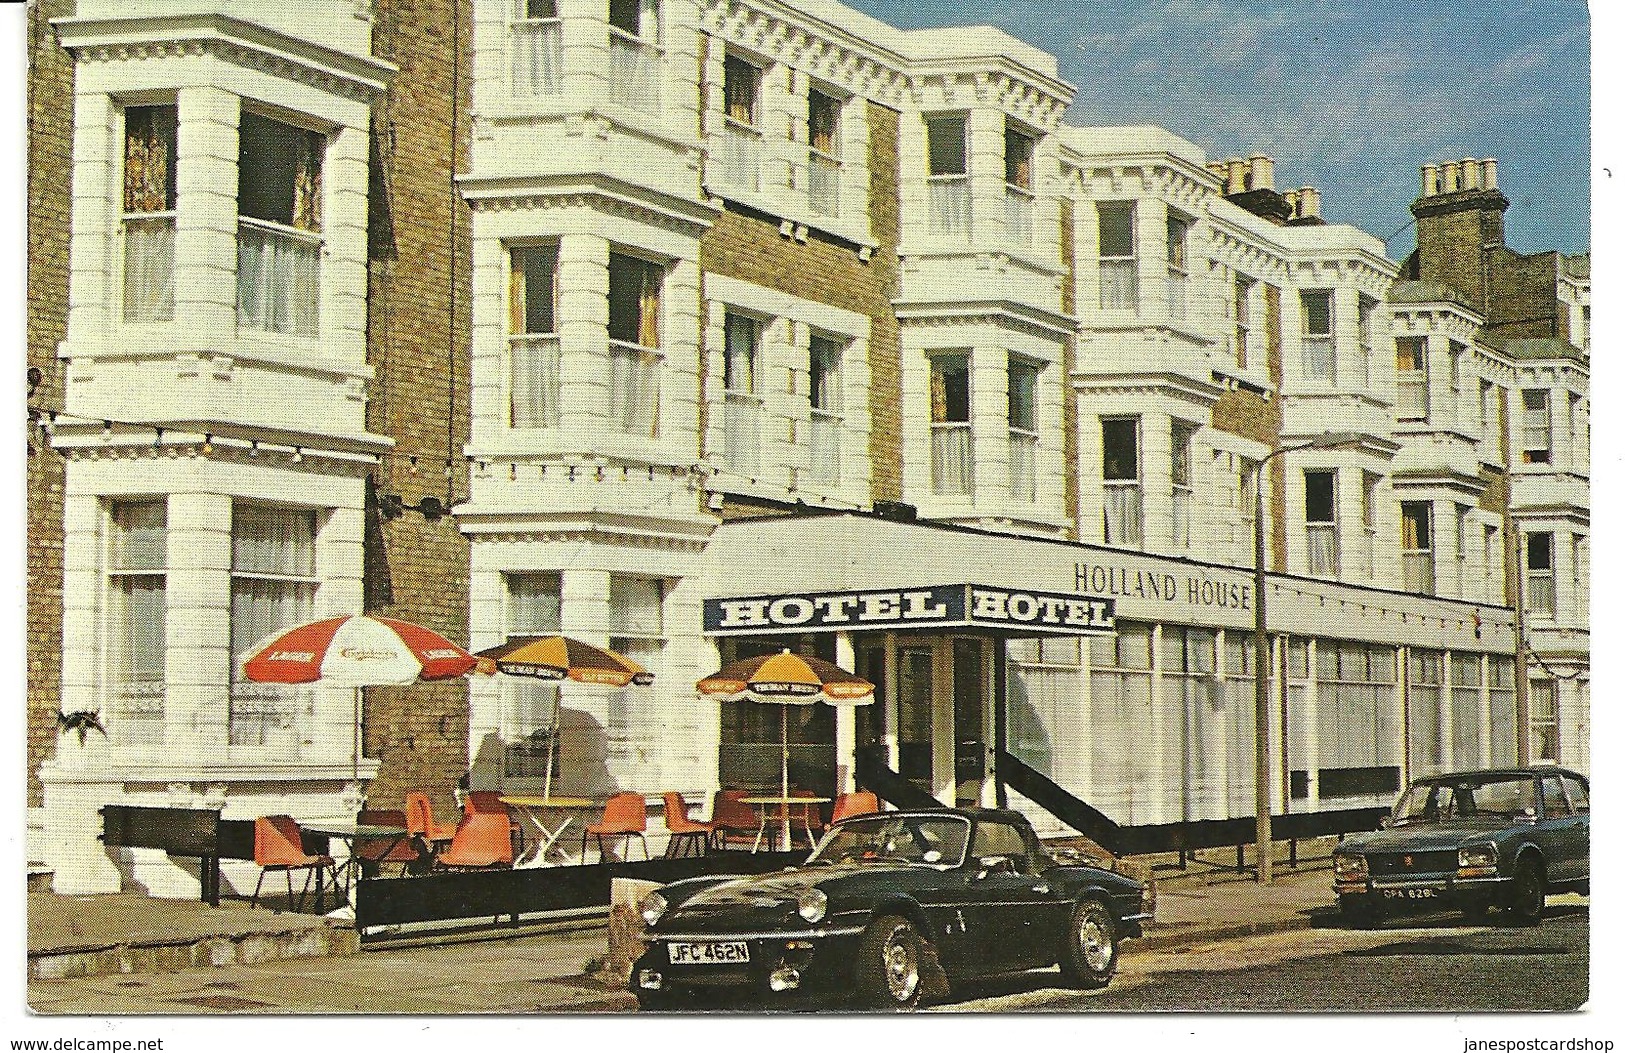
(770, 299)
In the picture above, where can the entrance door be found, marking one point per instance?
(943, 717)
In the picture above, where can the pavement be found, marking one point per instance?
(127, 954)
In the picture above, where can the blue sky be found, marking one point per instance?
(1349, 97)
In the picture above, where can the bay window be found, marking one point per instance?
(634, 343)
(149, 213)
(1411, 377)
(741, 138)
(273, 588)
(279, 241)
(1018, 186)
(137, 560)
(823, 153)
(1319, 352)
(824, 396)
(948, 176)
(537, 48)
(742, 397)
(1184, 434)
(533, 342)
(951, 460)
(1023, 399)
(1178, 231)
(1416, 545)
(1119, 270)
(528, 703)
(634, 54)
(1242, 314)
(1541, 582)
(1537, 426)
(1320, 521)
(1120, 472)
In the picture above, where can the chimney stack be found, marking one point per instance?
(1470, 173)
(1459, 215)
(1430, 180)
(1236, 182)
(1261, 169)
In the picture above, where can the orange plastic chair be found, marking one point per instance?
(370, 853)
(685, 832)
(481, 843)
(420, 820)
(732, 818)
(860, 802)
(279, 846)
(490, 802)
(626, 815)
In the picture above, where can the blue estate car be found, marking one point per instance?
(889, 906)
(1477, 841)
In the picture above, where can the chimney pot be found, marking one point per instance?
(1218, 168)
(1291, 198)
(1489, 173)
(1430, 180)
(1452, 177)
(1469, 173)
(1236, 180)
(1263, 171)
(1308, 203)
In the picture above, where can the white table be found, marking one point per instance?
(529, 810)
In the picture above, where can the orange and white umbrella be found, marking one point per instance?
(787, 679)
(356, 651)
(561, 658)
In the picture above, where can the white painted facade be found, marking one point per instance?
(609, 429)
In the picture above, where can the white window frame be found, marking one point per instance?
(135, 684)
(1122, 293)
(1125, 496)
(149, 229)
(953, 450)
(534, 386)
(272, 719)
(1023, 466)
(742, 392)
(1316, 560)
(1319, 362)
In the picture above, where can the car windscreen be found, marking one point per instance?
(936, 840)
(1495, 796)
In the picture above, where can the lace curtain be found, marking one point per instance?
(1123, 514)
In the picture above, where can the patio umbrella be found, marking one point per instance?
(787, 679)
(356, 651)
(560, 658)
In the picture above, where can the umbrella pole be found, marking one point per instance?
(552, 744)
(355, 741)
(784, 776)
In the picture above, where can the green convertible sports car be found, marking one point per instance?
(889, 907)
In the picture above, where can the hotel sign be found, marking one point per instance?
(931, 606)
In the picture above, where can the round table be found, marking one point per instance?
(762, 803)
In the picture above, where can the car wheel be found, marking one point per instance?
(1090, 956)
(1528, 898)
(889, 964)
(1358, 912)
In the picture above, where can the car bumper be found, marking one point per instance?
(784, 968)
(1422, 892)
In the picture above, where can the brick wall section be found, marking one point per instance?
(1069, 362)
(1523, 296)
(753, 250)
(418, 341)
(50, 160)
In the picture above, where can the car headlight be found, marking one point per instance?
(812, 904)
(1476, 856)
(653, 908)
(1349, 867)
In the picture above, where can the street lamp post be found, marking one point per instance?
(1264, 836)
